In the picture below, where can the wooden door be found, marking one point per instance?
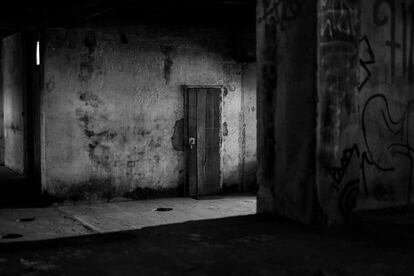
(203, 140)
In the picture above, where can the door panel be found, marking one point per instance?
(212, 142)
(192, 133)
(203, 158)
(200, 142)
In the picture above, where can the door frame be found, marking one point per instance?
(185, 88)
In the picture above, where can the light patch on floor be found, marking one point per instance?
(73, 220)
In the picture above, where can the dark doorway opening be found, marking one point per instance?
(20, 119)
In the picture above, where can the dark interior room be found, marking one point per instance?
(207, 137)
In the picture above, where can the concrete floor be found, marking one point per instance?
(74, 220)
(198, 239)
(245, 245)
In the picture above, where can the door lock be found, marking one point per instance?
(191, 142)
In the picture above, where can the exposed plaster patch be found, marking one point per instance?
(225, 129)
(177, 139)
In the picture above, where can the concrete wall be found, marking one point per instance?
(286, 108)
(365, 74)
(338, 132)
(248, 130)
(372, 152)
(13, 103)
(387, 103)
(113, 99)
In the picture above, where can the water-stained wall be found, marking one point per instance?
(113, 108)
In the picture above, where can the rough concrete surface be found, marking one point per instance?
(82, 219)
(247, 245)
(386, 104)
(338, 129)
(38, 224)
(248, 129)
(113, 99)
(363, 106)
(286, 117)
(366, 143)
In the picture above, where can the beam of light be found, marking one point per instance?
(37, 52)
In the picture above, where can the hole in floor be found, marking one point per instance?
(11, 236)
(163, 209)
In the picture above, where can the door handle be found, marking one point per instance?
(191, 142)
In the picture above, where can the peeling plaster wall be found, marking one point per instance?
(113, 103)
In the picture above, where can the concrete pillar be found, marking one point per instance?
(295, 69)
(338, 133)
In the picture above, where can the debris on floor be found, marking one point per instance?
(25, 219)
(163, 209)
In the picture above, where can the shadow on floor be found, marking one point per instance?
(248, 245)
(16, 191)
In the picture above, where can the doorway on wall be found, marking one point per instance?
(20, 120)
(202, 135)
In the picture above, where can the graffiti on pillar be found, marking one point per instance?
(348, 198)
(339, 21)
(338, 172)
(338, 36)
(280, 12)
(388, 153)
(345, 184)
(387, 159)
(366, 59)
(401, 38)
(391, 153)
(385, 156)
(338, 33)
(366, 154)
